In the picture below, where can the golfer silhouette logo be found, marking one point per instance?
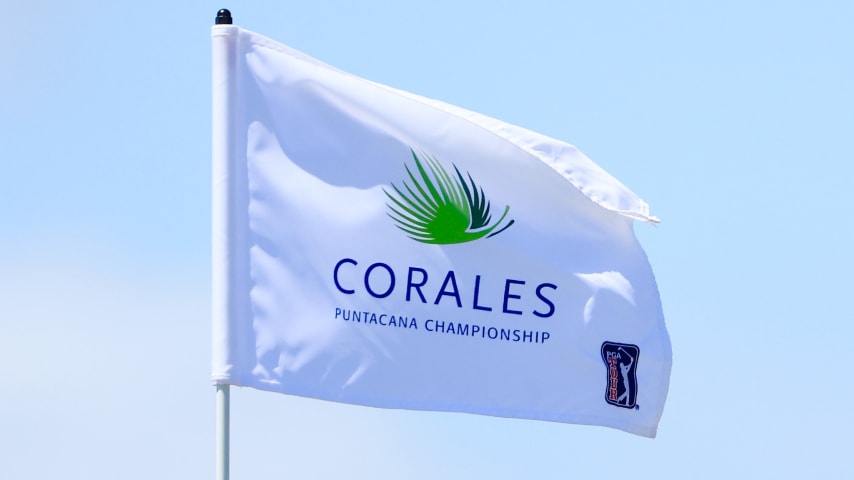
(621, 362)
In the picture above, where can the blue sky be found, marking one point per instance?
(733, 120)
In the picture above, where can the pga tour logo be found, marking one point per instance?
(621, 360)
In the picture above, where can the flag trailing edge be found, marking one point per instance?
(339, 275)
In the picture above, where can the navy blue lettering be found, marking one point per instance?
(335, 275)
(508, 295)
(410, 284)
(545, 300)
(477, 294)
(390, 283)
(450, 279)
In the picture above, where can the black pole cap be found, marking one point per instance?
(223, 17)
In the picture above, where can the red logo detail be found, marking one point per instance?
(612, 376)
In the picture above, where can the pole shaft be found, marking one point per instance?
(223, 400)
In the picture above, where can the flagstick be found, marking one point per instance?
(222, 431)
(222, 152)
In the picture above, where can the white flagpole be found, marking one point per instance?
(222, 431)
(222, 218)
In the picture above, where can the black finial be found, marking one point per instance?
(223, 17)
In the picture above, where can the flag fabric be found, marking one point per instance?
(375, 247)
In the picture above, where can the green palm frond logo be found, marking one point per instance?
(438, 208)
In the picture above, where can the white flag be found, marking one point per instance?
(379, 248)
